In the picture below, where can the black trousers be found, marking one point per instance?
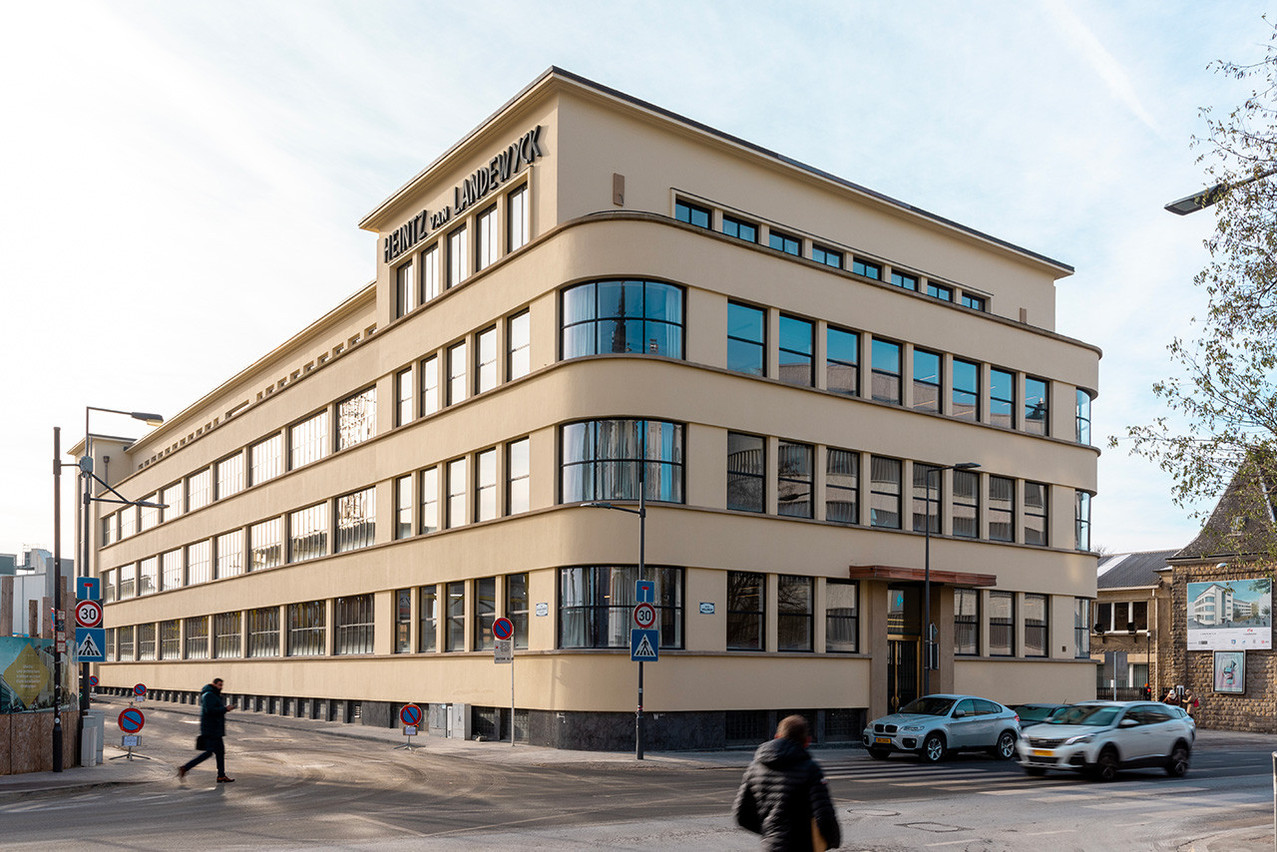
(215, 748)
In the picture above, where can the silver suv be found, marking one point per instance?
(1102, 737)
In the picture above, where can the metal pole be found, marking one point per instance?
(926, 595)
(511, 691)
(642, 570)
(57, 597)
(1275, 799)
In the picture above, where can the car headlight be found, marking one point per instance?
(911, 727)
(1078, 740)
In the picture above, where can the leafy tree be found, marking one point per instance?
(1222, 421)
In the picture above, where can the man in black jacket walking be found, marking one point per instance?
(783, 795)
(213, 712)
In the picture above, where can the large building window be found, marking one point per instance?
(602, 460)
(966, 504)
(171, 639)
(308, 533)
(197, 638)
(148, 576)
(1083, 417)
(516, 607)
(842, 361)
(404, 289)
(519, 345)
(308, 440)
(485, 612)
(1001, 624)
(454, 637)
(150, 514)
(746, 610)
(406, 396)
(1001, 398)
(227, 635)
(430, 273)
(1035, 513)
(146, 649)
(457, 249)
(199, 563)
(428, 619)
(794, 479)
(171, 497)
(692, 214)
(842, 625)
(966, 390)
(266, 459)
(230, 554)
(596, 604)
(926, 381)
(842, 486)
(1035, 625)
(128, 515)
(795, 613)
(797, 342)
(927, 483)
(266, 545)
(109, 579)
(518, 472)
(746, 339)
(110, 528)
(230, 479)
(128, 581)
(1082, 521)
(623, 316)
(171, 569)
(487, 247)
(966, 622)
(125, 638)
(457, 471)
(1081, 628)
(458, 383)
(263, 631)
(429, 500)
(403, 506)
(486, 360)
(357, 418)
(353, 625)
(356, 520)
(517, 219)
(740, 229)
(886, 371)
(1037, 407)
(485, 486)
(884, 496)
(307, 629)
(403, 621)
(429, 385)
(746, 469)
(1001, 508)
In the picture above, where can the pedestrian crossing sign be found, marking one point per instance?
(90, 644)
(644, 645)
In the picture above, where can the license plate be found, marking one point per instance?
(883, 740)
(1043, 752)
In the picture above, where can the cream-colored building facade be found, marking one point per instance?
(583, 281)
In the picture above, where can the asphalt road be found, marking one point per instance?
(299, 785)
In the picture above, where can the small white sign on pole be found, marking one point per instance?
(503, 651)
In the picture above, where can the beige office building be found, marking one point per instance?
(584, 296)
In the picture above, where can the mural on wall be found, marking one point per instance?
(1230, 672)
(26, 674)
(1228, 615)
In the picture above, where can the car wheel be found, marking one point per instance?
(1005, 749)
(879, 753)
(1035, 771)
(1106, 764)
(932, 749)
(1177, 763)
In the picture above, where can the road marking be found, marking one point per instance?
(1057, 831)
(949, 842)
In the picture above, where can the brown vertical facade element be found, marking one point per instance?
(33, 618)
(6, 606)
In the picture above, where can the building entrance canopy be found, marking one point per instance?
(899, 573)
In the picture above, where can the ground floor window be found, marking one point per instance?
(263, 632)
(403, 621)
(746, 610)
(596, 605)
(226, 634)
(1001, 624)
(516, 607)
(307, 633)
(795, 613)
(197, 638)
(353, 625)
(966, 621)
(841, 623)
(1081, 628)
(428, 616)
(1035, 625)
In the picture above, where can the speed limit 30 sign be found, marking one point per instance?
(88, 614)
(644, 615)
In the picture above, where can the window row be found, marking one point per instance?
(446, 262)
(465, 490)
(797, 245)
(1001, 613)
(340, 525)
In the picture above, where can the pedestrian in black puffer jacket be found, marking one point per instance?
(784, 790)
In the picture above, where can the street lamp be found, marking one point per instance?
(641, 511)
(928, 629)
(1208, 197)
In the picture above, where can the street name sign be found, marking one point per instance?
(503, 651)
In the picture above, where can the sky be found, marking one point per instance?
(180, 182)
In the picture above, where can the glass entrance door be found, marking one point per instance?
(902, 672)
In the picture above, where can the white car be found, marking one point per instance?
(1103, 737)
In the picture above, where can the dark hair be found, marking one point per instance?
(793, 728)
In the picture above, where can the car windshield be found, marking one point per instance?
(1084, 714)
(929, 705)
